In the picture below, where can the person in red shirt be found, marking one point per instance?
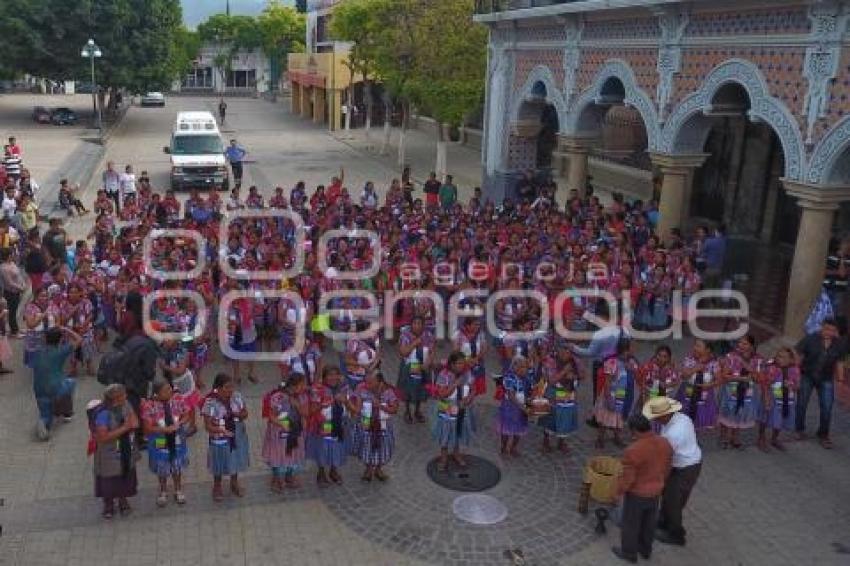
(13, 146)
(646, 465)
(334, 190)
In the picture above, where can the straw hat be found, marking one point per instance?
(660, 406)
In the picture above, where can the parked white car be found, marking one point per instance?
(153, 99)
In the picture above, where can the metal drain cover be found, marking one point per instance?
(479, 509)
(478, 474)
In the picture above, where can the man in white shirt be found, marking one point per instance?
(678, 430)
(10, 204)
(127, 184)
(112, 185)
(603, 345)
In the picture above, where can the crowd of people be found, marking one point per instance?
(331, 399)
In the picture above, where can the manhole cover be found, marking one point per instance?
(479, 509)
(478, 475)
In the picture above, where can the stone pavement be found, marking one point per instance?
(748, 508)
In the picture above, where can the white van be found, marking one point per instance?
(197, 153)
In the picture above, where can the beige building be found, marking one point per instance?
(318, 83)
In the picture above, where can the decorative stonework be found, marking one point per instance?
(541, 34)
(782, 69)
(574, 29)
(763, 107)
(672, 23)
(827, 153)
(642, 62)
(526, 60)
(499, 78)
(634, 96)
(631, 28)
(772, 21)
(544, 75)
(829, 23)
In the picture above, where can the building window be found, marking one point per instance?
(242, 79)
(200, 77)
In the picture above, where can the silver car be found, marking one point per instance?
(153, 99)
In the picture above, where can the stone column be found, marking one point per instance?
(676, 171)
(818, 206)
(575, 150)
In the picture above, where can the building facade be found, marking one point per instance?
(319, 79)
(249, 73)
(729, 112)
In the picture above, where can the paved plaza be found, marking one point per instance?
(748, 508)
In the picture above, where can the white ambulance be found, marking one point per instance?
(197, 153)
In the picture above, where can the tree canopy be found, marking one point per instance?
(143, 42)
(278, 31)
(429, 53)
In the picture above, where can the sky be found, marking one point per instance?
(196, 11)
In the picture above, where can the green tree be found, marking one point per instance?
(228, 35)
(282, 30)
(450, 65)
(359, 22)
(137, 38)
(187, 45)
(396, 50)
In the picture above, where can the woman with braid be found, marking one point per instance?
(779, 395)
(455, 422)
(700, 377)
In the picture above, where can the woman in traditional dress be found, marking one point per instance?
(512, 416)
(286, 409)
(471, 342)
(164, 418)
(224, 414)
(455, 421)
(701, 375)
(77, 314)
(779, 392)
(361, 356)
(614, 403)
(328, 431)
(417, 352)
(739, 393)
(561, 374)
(374, 404)
(658, 377)
(114, 423)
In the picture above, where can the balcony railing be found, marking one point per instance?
(492, 6)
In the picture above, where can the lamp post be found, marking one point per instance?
(92, 51)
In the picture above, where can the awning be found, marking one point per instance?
(308, 79)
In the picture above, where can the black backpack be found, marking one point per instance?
(122, 364)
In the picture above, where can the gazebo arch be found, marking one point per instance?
(686, 129)
(582, 117)
(828, 163)
(540, 74)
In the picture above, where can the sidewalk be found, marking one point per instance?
(463, 162)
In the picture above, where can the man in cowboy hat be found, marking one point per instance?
(678, 429)
(646, 463)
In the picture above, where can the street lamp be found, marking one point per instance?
(92, 51)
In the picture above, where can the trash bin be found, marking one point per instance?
(602, 473)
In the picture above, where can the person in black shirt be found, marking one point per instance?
(432, 190)
(821, 355)
(527, 188)
(835, 281)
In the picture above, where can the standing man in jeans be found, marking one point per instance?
(53, 390)
(112, 185)
(235, 154)
(678, 430)
(646, 463)
(820, 364)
